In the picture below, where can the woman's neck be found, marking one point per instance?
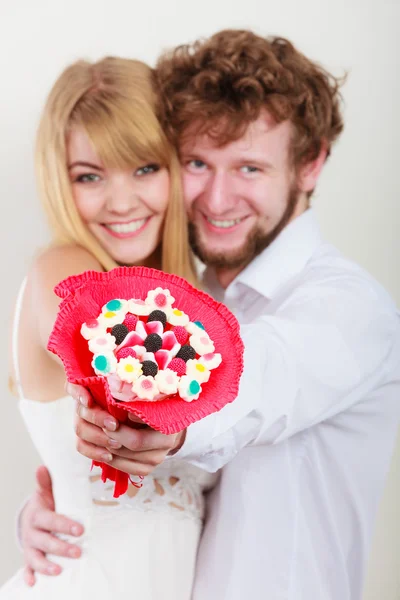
(153, 261)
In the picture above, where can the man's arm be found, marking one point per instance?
(324, 351)
(320, 354)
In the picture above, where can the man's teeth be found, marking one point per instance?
(126, 227)
(223, 224)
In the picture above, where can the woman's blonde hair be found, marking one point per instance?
(114, 102)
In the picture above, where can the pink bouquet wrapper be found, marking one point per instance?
(83, 297)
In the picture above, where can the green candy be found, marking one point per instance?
(114, 305)
(194, 387)
(101, 363)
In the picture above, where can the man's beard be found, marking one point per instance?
(255, 242)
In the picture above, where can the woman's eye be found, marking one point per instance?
(249, 169)
(87, 178)
(197, 164)
(152, 168)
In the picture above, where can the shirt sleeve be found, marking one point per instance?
(323, 351)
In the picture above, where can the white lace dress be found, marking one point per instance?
(142, 545)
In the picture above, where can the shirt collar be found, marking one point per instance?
(277, 264)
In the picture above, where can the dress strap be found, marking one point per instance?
(14, 343)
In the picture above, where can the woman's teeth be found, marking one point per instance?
(126, 227)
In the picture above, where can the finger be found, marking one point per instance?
(50, 544)
(36, 560)
(52, 522)
(131, 467)
(79, 393)
(150, 457)
(43, 480)
(93, 452)
(142, 439)
(136, 419)
(97, 416)
(29, 577)
(91, 433)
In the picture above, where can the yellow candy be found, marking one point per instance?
(109, 315)
(129, 368)
(177, 312)
(200, 368)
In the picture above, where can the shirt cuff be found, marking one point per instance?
(198, 447)
(198, 439)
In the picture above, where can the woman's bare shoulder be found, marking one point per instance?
(58, 262)
(48, 268)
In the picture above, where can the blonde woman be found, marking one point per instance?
(110, 184)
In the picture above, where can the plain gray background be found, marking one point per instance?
(357, 199)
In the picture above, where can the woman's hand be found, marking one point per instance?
(133, 448)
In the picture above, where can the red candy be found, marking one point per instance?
(178, 365)
(146, 384)
(181, 334)
(130, 321)
(92, 323)
(162, 357)
(169, 341)
(125, 352)
(160, 300)
(132, 339)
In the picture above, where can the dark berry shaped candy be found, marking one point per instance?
(158, 315)
(120, 332)
(149, 368)
(186, 352)
(153, 342)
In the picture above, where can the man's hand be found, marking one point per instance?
(38, 526)
(135, 448)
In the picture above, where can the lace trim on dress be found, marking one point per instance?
(163, 493)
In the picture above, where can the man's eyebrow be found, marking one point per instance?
(254, 160)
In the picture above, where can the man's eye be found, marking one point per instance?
(249, 169)
(197, 164)
(152, 168)
(88, 178)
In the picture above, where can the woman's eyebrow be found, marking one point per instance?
(84, 164)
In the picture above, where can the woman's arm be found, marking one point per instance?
(38, 522)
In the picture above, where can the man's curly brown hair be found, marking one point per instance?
(220, 85)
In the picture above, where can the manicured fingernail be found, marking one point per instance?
(53, 570)
(74, 552)
(75, 530)
(106, 457)
(114, 444)
(110, 424)
(83, 400)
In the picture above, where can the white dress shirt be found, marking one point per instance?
(307, 444)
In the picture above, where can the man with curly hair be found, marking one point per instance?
(305, 447)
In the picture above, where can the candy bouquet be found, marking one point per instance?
(149, 343)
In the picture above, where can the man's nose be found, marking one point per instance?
(218, 194)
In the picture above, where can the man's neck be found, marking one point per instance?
(226, 276)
